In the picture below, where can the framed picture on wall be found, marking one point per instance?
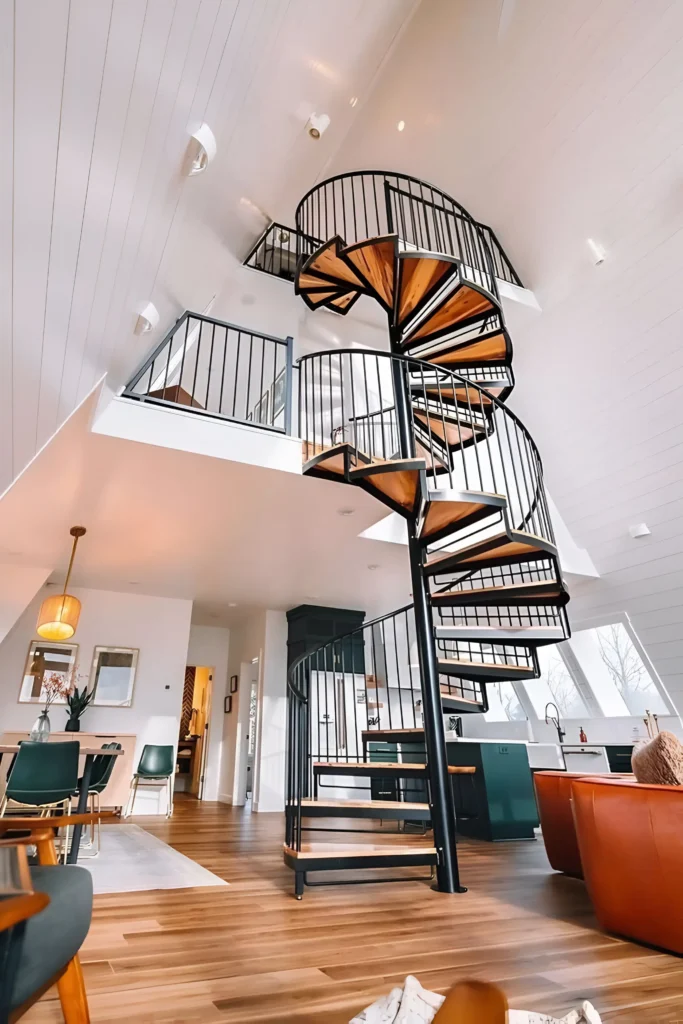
(112, 676)
(44, 660)
(227, 704)
(234, 683)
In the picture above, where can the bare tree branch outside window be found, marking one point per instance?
(627, 670)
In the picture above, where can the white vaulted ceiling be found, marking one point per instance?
(97, 102)
(557, 122)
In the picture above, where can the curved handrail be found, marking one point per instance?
(382, 174)
(432, 368)
(503, 457)
(362, 210)
(337, 639)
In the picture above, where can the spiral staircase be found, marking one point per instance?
(424, 428)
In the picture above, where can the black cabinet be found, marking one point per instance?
(310, 626)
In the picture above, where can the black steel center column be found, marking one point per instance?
(440, 792)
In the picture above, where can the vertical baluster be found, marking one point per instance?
(352, 184)
(197, 352)
(168, 362)
(343, 206)
(398, 676)
(182, 359)
(208, 376)
(225, 354)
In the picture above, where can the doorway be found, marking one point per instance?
(194, 731)
(246, 741)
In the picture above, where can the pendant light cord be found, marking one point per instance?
(76, 532)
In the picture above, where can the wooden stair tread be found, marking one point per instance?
(374, 261)
(446, 692)
(420, 276)
(497, 546)
(484, 666)
(464, 303)
(392, 766)
(454, 352)
(334, 851)
(390, 805)
(370, 733)
(503, 589)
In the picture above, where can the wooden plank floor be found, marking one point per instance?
(250, 952)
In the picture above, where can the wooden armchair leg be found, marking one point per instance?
(72, 996)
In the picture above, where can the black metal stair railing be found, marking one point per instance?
(365, 204)
(277, 250)
(344, 697)
(469, 439)
(213, 368)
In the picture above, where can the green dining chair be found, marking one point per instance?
(44, 776)
(102, 767)
(156, 765)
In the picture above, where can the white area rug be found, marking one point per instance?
(132, 860)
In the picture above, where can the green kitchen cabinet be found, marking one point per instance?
(498, 801)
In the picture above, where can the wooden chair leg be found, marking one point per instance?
(3, 807)
(66, 808)
(47, 855)
(72, 995)
(131, 796)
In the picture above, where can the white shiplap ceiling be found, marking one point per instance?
(555, 123)
(97, 102)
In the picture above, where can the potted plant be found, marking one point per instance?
(56, 685)
(77, 702)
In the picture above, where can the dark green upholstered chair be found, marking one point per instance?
(157, 765)
(44, 775)
(42, 928)
(102, 767)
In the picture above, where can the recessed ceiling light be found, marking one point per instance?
(345, 511)
(373, 567)
(232, 604)
(133, 583)
(401, 125)
(353, 101)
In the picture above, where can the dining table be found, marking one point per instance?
(90, 753)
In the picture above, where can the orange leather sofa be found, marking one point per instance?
(630, 838)
(553, 796)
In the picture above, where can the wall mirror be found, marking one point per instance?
(112, 676)
(45, 658)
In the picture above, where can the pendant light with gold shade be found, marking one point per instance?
(58, 615)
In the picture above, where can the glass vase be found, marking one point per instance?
(40, 733)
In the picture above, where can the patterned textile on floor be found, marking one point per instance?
(412, 1004)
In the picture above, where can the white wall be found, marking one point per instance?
(262, 635)
(18, 586)
(209, 646)
(570, 131)
(247, 641)
(159, 627)
(271, 738)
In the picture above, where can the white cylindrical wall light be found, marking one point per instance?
(317, 124)
(201, 150)
(147, 319)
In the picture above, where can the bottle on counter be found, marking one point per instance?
(582, 736)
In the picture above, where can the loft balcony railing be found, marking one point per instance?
(218, 369)
(367, 204)
(277, 250)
